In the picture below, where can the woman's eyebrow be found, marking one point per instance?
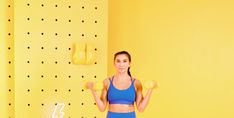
(123, 59)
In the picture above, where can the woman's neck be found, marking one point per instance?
(123, 76)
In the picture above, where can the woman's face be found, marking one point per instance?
(121, 63)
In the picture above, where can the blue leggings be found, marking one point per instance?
(121, 115)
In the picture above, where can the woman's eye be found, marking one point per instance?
(118, 61)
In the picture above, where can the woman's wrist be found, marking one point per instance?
(150, 91)
(92, 90)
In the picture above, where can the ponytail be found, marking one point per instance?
(129, 73)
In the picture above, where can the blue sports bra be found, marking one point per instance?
(125, 96)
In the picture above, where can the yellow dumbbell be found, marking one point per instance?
(96, 85)
(150, 84)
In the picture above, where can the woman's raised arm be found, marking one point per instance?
(101, 101)
(141, 101)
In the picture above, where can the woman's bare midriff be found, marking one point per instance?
(121, 108)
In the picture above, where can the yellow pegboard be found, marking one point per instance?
(39, 71)
(7, 58)
(3, 60)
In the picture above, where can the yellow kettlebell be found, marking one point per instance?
(79, 56)
(90, 54)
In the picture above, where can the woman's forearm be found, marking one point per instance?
(144, 102)
(99, 102)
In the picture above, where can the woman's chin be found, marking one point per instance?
(121, 71)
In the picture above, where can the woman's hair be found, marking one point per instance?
(129, 58)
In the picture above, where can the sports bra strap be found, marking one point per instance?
(111, 79)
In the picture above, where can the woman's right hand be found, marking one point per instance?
(89, 85)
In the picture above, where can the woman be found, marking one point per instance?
(121, 91)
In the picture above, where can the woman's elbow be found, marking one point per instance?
(140, 109)
(102, 109)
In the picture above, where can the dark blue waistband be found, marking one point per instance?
(122, 112)
(121, 115)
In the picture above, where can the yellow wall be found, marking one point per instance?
(187, 46)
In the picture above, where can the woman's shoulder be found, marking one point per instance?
(137, 82)
(135, 79)
(106, 82)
